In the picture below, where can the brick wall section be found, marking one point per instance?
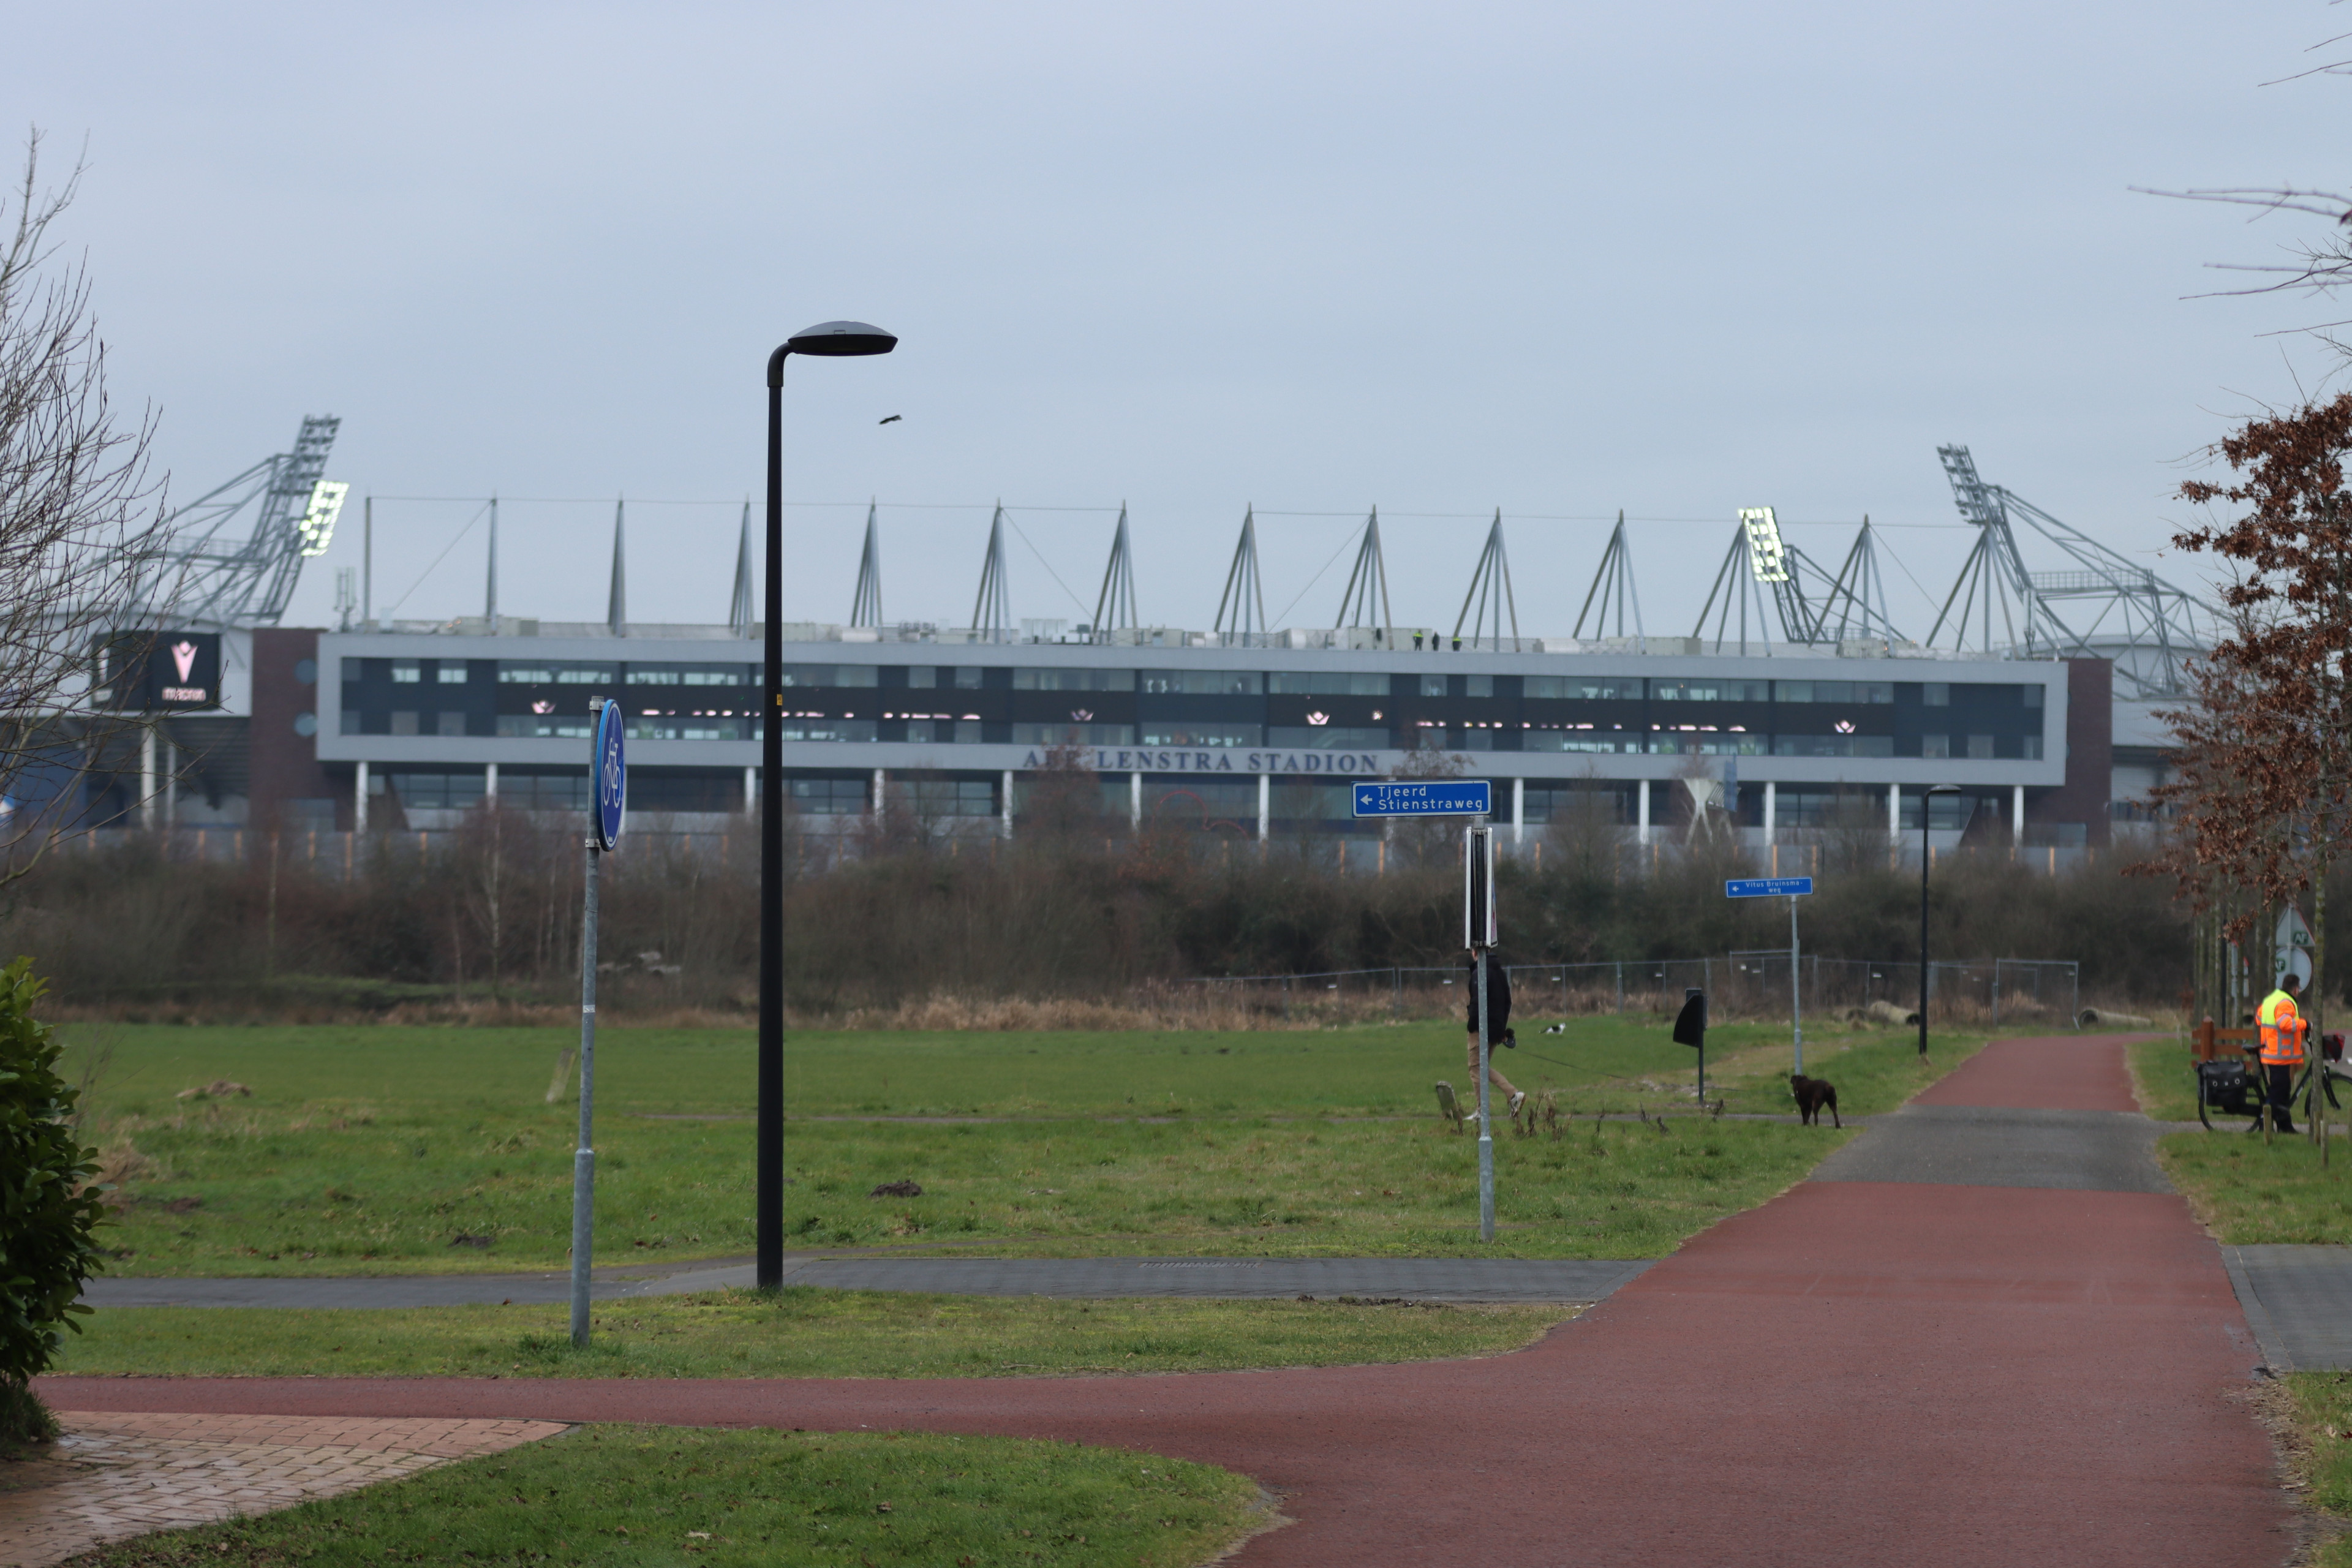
(285, 766)
(2090, 753)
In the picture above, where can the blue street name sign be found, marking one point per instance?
(612, 777)
(1766, 887)
(1442, 797)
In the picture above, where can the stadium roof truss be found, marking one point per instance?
(2102, 605)
(214, 577)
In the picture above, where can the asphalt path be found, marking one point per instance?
(1228, 1278)
(1910, 1360)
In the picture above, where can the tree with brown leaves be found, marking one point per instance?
(2268, 744)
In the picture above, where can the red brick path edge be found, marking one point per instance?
(1856, 1372)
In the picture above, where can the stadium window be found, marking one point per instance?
(1338, 683)
(1979, 748)
(1579, 688)
(451, 672)
(1934, 745)
(1710, 690)
(1433, 686)
(923, 675)
(406, 672)
(1833, 691)
(831, 674)
(2033, 696)
(1210, 733)
(966, 677)
(1032, 679)
(1205, 682)
(829, 797)
(1477, 686)
(1936, 694)
(1333, 738)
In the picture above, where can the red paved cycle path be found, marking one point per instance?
(1856, 1372)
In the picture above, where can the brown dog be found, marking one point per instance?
(1812, 1094)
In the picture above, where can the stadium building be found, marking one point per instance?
(1795, 698)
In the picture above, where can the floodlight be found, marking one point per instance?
(317, 529)
(1766, 556)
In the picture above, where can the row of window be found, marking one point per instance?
(615, 676)
(1544, 801)
(1228, 736)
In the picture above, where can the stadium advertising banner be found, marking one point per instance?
(163, 671)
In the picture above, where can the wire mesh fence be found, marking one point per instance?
(1743, 985)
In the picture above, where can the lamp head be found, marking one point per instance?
(840, 340)
(1943, 789)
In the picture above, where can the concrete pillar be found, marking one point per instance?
(2017, 814)
(147, 777)
(1895, 811)
(169, 784)
(1265, 804)
(1642, 817)
(1519, 812)
(881, 783)
(1771, 808)
(490, 782)
(751, 789)
(1135, 801)
(359, 797)
(1008, 803)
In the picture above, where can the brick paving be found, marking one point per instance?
(130, 1473)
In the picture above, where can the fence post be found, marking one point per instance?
(1396, 992)
(1620, 986)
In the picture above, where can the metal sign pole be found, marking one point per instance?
(608, 789)
(1479, 890)
(1796, 996)
(584, 1158)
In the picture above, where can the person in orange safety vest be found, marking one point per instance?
(2283, 1026)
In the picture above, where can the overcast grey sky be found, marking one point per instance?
(1566, 258)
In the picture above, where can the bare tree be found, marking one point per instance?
(81, 524)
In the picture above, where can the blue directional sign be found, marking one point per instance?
(1766, 887)
(612, 777)
(1438, 797)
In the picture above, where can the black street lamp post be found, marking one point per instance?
(1932, 791)
(829, 339)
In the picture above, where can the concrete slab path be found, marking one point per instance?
(1895, 1369)
(121, 1474)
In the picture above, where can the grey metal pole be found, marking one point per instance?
(583, 1159)
(1796, 990)
(1486, 1119)
(768, 1218)
(1924, 799)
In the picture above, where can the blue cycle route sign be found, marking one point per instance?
(1766, 887)
(1438, 797)
(611, 776)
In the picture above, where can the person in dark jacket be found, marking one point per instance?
(1499, 1014)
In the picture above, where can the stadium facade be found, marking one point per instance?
(1254, 737)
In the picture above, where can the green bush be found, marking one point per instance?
(47, 1210)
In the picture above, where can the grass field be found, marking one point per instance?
(797, 1333)
(384, 1150)
(2246, 1190)
(616, 1497)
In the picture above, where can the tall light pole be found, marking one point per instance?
(827, 340)
(1932, 791)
